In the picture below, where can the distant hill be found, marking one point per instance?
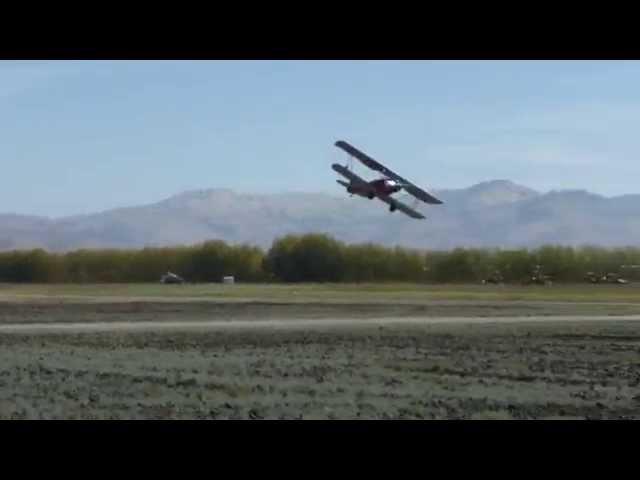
(494, 213)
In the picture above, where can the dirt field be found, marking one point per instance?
(392, 353)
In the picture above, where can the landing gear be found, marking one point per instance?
(392, 208)
(370, 196)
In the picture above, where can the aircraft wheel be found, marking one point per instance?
(370, 196)
(392, 208)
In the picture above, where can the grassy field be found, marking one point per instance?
(542, 360)
(440, 371)
(356, 293)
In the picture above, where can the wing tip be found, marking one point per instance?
(343, 145)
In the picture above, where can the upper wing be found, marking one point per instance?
(345, 172)
(374, 165)
(419, 193)
(401, 206)
(363, 157)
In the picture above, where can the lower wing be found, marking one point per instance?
(355, 179)
(345, 172)
(401, 206)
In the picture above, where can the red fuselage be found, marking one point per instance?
(381, 187)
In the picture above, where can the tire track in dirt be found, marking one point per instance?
(79, 327)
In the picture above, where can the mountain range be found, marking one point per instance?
(496, 213)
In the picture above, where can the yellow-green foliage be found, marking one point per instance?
(312, 258)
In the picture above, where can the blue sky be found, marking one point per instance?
(78, 137)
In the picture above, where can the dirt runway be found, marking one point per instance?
(292, 323)
(146, 360)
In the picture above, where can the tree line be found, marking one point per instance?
(312, 258)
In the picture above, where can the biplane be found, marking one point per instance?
(381, 188)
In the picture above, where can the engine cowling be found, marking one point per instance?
(392, 186)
